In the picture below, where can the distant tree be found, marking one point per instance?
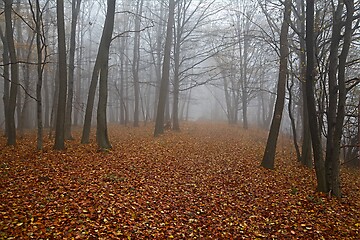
(40, 47)
(190, 49)
(136, 61)
(269, 155)
(61, 106)
(164, 85)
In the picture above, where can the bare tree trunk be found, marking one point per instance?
(101, 130)
(6, 76)
(306, 153)
(47, 111)
(24, 122)
(40, 69)
(269, 155)
(78, 96)
(176, 81)
(61, 108)
(90, 103)
(157, 58)
(337, 94)
(11, 128)
(136, 61)
(122, 81)
(310, 94)
(164, 87)
(55, 93)
(290, 85)
(75, 7)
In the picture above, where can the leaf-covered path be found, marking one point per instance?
(203, 182)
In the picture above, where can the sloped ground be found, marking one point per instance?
(204, 182)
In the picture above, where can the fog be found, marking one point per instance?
(224, 55)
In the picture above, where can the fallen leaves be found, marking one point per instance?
(204, 182)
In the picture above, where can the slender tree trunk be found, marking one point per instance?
(24, 122)
(188, 106)
(75, 7)
(78, 90)
(269, 155)
(19, 55)
(310, 78)
(61, 108)
(337, 94)
(290, 85)
(55, 93)
(40, 69)
(176, 81)
(122, 80)
(47, 111)
(244, 81)
(101, 130)
(11, 127)
(306, 153)
(6, 76)
(164, 87)
(136, 61)
(90, 104)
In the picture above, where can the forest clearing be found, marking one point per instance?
(203, 182)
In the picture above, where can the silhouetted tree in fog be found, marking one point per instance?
(104, 48)
(164, 85)
(75, 8)
(61, 106)
(269, 155)
(11, 105)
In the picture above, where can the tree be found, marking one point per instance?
(103, 54)
(6, 76)
(75, 8)
(305, 157)
(269, 155)
(11, 105)
(164, 85)
(61, 106)
(85, 138)
(337, 92)
(311, 104)
(40, 46)
(136, 61)
(191, 50)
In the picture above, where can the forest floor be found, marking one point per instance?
(204, 182)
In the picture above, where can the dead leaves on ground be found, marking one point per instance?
(204, 182)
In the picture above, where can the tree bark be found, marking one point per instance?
(61, 108)
(290, 85)
(176, 82)
(306, 153)
(101, 130)
(75, 7)
(310, 94)
(164, 86)
(337, 94)
(6, 76)
(11, 127)
(40, 69)
(269, 155)
(136, 62)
